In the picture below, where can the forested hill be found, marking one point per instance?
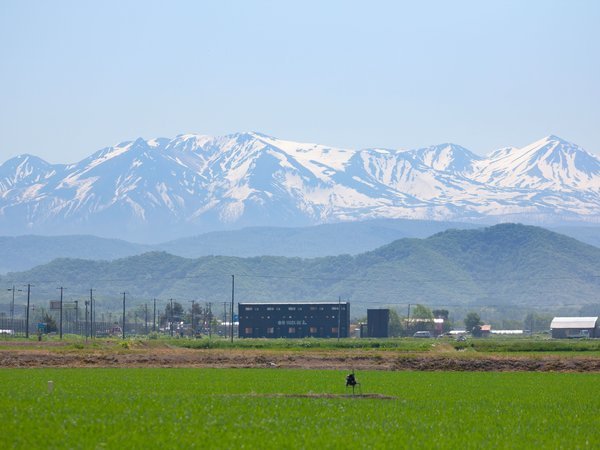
(501, 265)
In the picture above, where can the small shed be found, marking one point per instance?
(575, 327)
(486, 330)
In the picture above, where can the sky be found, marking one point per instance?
(79, 76)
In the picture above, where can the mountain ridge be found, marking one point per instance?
(160, 189)
(508, 266)
(25, 252)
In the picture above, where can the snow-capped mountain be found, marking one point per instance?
(165, 188)
(550, 163)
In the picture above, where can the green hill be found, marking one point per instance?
(25, 252)
(504, 266)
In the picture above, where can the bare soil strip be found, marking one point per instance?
(323, 395)
(20, 356)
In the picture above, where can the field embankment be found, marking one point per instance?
(405, 355)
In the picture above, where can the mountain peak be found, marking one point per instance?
(551, 138)
(198, 182)
(446, 157)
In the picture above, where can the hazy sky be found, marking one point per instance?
(78, 76)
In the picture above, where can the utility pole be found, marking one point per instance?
(61, 311)
(123, 314)
(232, 302)
(77, 316)
(27, 312)
(146, 317)
(154, 317)
(171, 318)
(193, 329)
(86, 320)
(339, 316)
(408, 321)
(12, 309)
(209, 320)
(92, 314)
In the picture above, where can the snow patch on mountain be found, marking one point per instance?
(194, 183)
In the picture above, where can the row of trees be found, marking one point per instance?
(201, 318)
(421, 319)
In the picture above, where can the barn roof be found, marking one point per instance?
(574, 322)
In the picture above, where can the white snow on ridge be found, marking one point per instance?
(195, 178)
(336, 158)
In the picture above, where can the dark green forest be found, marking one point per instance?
(505, 268)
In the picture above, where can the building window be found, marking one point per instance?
(270, 330)
(334, 330)
(313, 330)
(292, 330)
(248, 330)
(291, 308)
(270, 308)
(313, 308)
(248, 308)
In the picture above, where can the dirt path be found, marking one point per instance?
(21, 356)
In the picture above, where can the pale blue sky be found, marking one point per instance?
(76, 76)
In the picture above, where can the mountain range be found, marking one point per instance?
(25, 252)
(512, 267)
(161, 189)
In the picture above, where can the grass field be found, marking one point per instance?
(263, 408)
(497, 345)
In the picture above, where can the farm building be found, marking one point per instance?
(486, 330)
(575, 327)
(294, 320)
(378, 323)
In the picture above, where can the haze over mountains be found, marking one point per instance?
(25, 252)
(161, 189)
(514, 267)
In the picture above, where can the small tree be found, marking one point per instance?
(473, 321)
(176, 314)
(537, 322)
(421, 319)
(422, 312)
(395, 324)
(50, 322)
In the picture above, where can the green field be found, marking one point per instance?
(245, 408)
(525, 345)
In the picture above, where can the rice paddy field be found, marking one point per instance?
(283, 408)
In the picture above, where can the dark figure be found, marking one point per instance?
(351, 380)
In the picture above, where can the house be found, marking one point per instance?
(575, 327)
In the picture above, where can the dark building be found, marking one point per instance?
(378, 322)
(294, 320)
